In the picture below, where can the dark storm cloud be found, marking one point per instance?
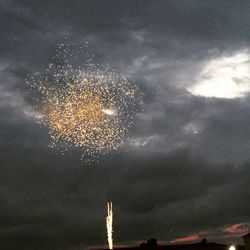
(184, 169)
(60, 206)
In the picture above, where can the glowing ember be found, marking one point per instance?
(108, 111)
(109, 222)
(87, 106)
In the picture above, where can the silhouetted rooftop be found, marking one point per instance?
(196, 246)
(246, 235)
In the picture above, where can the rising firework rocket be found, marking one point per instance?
(109, 222)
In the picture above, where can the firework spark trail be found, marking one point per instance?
(109, 224)
(88, 106)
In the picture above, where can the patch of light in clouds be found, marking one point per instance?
(224, 77)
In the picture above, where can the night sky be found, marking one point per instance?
(183, 174)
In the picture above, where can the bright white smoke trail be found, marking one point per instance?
(109, 222)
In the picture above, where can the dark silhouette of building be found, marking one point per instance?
(203, 245)
(149, 243)
(247, 241)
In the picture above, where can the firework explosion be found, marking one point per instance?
(88, 106)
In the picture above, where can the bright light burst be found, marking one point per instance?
(88, 106)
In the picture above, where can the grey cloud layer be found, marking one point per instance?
(185, 164)
(60, 205)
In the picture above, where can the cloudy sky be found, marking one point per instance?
(182, 175)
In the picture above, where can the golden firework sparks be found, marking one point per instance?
(109, 224)
(91, 107)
